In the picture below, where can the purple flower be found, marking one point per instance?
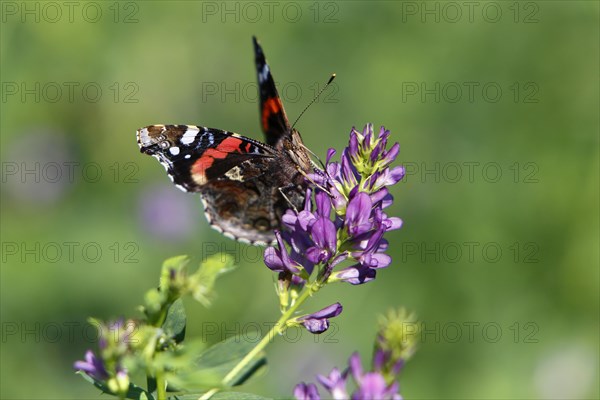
(323, 202)
(304, 391)
(323, 233)
(355, 275)
(93, 366)
(383, 360)
(279, 259)
(358, 215)
(319, 322)
(374, 387)
(370, 385)
(335, 383)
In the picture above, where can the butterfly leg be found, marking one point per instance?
(308, 178)
(281, 189)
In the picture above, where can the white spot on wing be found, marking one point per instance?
(190, 135)
(143, 137)
(174, 150)
(187, 156)
(235, 174)
(264, 73)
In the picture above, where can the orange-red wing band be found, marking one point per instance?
(271, 106)
(227, 146)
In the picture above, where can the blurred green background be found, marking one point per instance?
(495, 105)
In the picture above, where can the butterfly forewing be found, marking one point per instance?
(273, 120)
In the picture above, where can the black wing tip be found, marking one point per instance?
(257, 47)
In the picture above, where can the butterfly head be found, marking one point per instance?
(297, 151)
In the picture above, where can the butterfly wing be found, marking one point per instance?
(234, 175)
(273, 120)
(194, 155)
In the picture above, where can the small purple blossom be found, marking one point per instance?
(371, 385)
(358, 215)
(279, 259)
(318, 322)
(324, 234)
(93, 366)
(335, 383)
(356, 274)
(304, 391)
(116, 339)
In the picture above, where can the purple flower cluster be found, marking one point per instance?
(370, 385)
(343, 219)
(394, 345)
(114, 342)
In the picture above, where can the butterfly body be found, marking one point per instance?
(245, 185)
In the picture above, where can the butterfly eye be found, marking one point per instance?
(164, 145)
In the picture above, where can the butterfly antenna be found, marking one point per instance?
(313, 100)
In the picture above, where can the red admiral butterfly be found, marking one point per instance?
(245, 185)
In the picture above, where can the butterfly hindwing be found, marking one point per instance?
(273, 120)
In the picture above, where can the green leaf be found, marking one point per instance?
(134, 392)
(190, 369)
(225, 355)
(151, 383)
(180, 358)
(203, 280)
(175, 323)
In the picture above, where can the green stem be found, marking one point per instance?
(161, 383)
(279, 327)
(161, 386)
